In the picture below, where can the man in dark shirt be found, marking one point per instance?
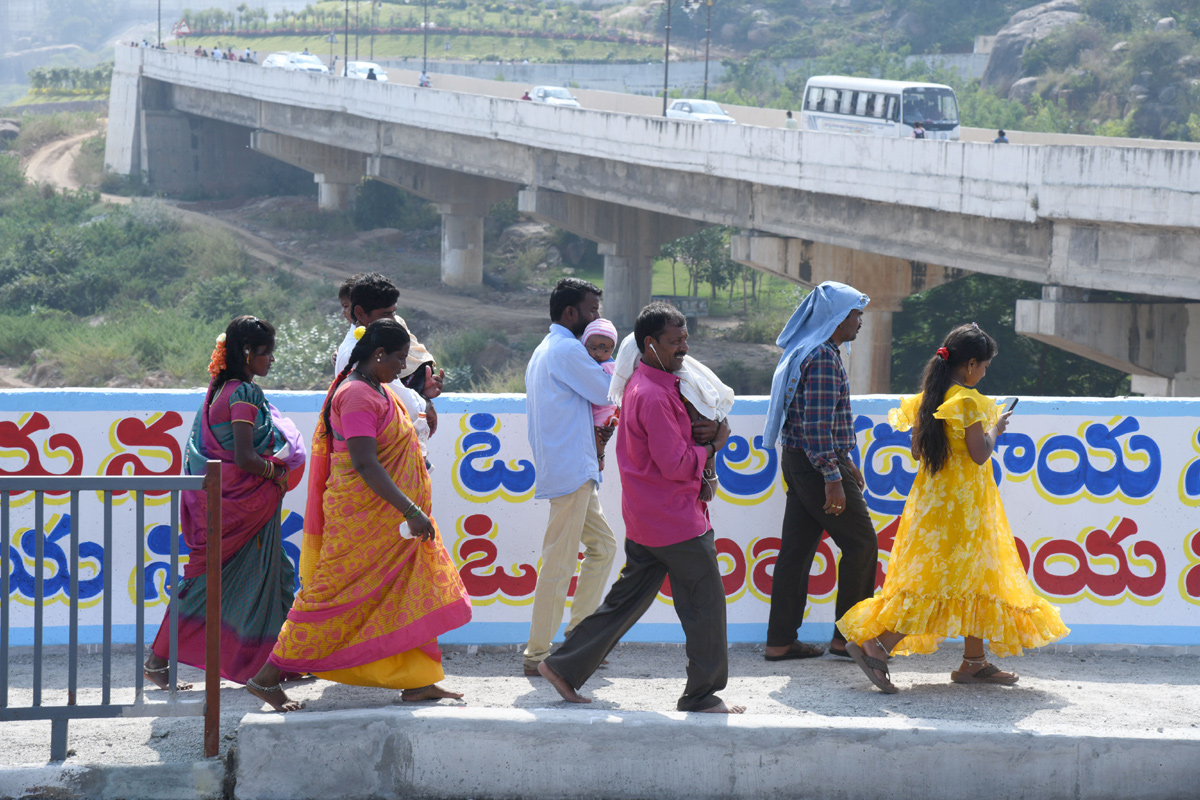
(810, 407)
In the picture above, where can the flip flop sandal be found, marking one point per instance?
(838, 652)
(798, 650)
(868, 665)
(989, 674)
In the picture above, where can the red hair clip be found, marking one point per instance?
(943, 354)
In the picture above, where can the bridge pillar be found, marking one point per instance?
(885, 279)
(462, 200)
(1157, 343)
(629, 238)
(462, 246)
(627, 281)
(334, 196)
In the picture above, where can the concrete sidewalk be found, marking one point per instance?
(1117, 724)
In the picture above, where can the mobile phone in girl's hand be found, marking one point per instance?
(1011, 404)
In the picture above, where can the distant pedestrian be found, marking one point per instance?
(790, 123)
(954, 568)
(371, 76)
(918, 130)
(423, 80)
(1001, 138)
(526, 95)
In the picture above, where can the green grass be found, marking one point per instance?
(38, 98)
(39, 129)
(466, 48)
(773, 293)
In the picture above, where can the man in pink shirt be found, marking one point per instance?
(661, 455)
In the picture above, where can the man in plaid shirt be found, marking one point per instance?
(824, 486)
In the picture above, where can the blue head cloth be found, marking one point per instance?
(812, 323)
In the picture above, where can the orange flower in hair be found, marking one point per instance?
(217, 363)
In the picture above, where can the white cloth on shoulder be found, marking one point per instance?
(697, 383)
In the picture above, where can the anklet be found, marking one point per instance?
(886, 652)
(155, 669)
(254, 685)
(980, 660)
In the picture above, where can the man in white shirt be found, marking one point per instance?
(373, 297)
(562, 382)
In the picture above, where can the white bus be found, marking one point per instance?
(879, 108)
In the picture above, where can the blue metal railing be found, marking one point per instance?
(60, 715)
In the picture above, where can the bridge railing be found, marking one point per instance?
(60, 715)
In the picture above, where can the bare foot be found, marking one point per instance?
(275, 697)
(430, 692)
(721, 708)
(561, 686)
(155, 670)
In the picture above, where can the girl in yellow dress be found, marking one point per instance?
(954, 568)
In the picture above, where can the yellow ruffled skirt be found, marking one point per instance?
(955, 571)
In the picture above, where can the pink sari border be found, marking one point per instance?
(415, 636)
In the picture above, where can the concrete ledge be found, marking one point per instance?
(199, 781)
(577, 753)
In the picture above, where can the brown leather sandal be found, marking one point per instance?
(989, 674)
(868, 664)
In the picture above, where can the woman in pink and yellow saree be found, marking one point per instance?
(377, 586)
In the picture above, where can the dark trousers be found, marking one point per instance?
(804, 519)
(699, 598)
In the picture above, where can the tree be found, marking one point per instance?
(1023, 365)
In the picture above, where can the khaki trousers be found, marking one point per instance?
(575, 519)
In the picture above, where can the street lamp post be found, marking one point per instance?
(707, 39)
(160, 23)
(332, 39)
(346, 44)
(373, 29)
(425, 43)
(357, 30)
(667, 58)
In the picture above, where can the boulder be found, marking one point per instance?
(1189, 64)
(9, 129)
(1120, 47)
(1023, 90)
(390, 237)
(1165, 24)
(44, 371)
(524, 235)
(1023, 29)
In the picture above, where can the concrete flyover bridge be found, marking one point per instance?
(890, 216)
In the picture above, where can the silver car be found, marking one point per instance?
(358, 69)
(553, 96)
(699, 110)
(295, 62)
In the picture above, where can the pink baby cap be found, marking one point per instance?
(602, 327)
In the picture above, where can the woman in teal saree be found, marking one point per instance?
(237, 426)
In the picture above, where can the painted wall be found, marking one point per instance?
(1101, 494)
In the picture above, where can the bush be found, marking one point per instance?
(304, 353)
